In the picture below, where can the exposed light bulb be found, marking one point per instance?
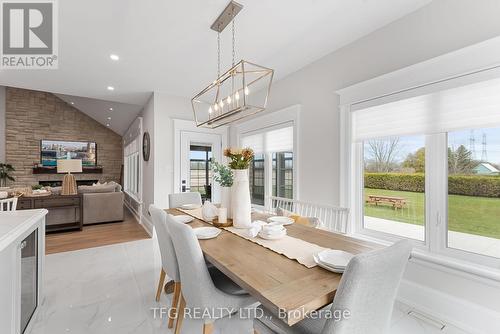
(229, 99)
(210, 110)
(216, 106)
(247, 91)
(221, 104)
(237, 96)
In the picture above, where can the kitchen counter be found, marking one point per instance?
(15, 223)
(22, 262)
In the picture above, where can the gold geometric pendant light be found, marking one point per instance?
(241, 91)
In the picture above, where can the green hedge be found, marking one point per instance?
(484, 186)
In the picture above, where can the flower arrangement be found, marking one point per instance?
(239, 158)
(223, 175)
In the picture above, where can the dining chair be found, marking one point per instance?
(198, 289)
(8, 204)
(168, 259)
(178, 199)
(367, 291)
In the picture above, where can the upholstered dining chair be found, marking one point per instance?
(8, 204)
(178, 199)
(198, 289)
(367, 291)
(168, 258)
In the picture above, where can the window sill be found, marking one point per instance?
(443, 263)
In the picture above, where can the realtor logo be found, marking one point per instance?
(29, 34)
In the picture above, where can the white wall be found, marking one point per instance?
(2, 124)
(148, 167)
(440, 27)
(166, 108)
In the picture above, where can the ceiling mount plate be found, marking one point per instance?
(227, 15)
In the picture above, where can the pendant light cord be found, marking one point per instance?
(218, 54)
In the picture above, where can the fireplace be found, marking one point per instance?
(59, 183)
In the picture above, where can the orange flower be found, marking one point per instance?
(227, 152)
(247, 153)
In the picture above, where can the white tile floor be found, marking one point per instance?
(111, 290)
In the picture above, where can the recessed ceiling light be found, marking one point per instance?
(110, 109)
(107, 124)
(114, 57)
(111, 88)
(72, 103)
(109, 118)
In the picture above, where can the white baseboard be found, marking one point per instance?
(147, 225)
(470, 317)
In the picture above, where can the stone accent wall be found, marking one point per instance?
(32, 116)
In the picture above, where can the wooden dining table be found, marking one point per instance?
(277, 282)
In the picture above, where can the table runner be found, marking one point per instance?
(293, 248)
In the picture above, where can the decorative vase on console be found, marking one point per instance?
(241, 205)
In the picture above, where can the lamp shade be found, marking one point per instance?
(69, 166)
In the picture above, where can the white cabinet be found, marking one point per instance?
(22, 252)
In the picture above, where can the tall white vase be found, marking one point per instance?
(225, 200)
(240, 199)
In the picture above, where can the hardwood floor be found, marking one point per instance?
(96, 235)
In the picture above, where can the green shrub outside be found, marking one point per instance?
(468, 185)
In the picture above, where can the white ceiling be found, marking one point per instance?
(167, 46)
(122, 114)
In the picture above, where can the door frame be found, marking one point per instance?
(180, 126)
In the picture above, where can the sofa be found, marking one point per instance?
(102, 202)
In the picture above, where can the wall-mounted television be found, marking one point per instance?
(53, 150)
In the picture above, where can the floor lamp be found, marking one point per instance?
(69, 182)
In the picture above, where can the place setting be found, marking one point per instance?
(333, 260)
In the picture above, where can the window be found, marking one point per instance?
(283, 174)
(200, 173)
(394, 186)
(257, 179)
(131, 168)
(428, 168)
(271, 172)
(474, 191)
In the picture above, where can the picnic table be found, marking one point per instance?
(396, 202)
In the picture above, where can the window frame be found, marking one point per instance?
(286, 117)
(436, 203)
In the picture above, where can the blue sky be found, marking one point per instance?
(409, 144)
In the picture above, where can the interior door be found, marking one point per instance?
(197, 151)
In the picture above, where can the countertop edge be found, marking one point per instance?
(13, 234)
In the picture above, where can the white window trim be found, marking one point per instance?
(137, 196)
(471, 64)
(289, 116)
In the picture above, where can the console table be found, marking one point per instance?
(65, 212)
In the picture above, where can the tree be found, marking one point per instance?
(460, 161)
(382, 154)
(416, 160)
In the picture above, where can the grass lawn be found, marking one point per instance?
(467, 214)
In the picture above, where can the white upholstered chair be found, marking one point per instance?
(367, 290)
(168, 258)
(176, 200)
(8, 204)
(198, 289)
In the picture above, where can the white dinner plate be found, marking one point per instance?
(272, 236)
(184, 219)
(206, 232)
(324, 266)
(190, 206)
(281, 220)
(335, 258)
